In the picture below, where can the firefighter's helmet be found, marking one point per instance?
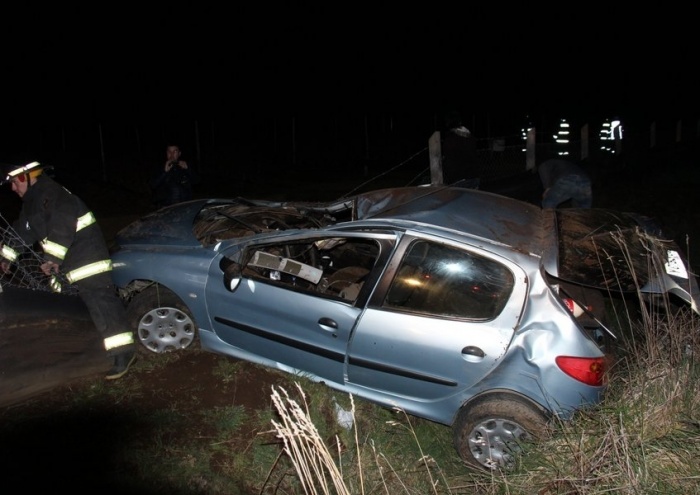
(24, 172)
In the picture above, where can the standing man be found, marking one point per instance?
(173, 184)
(564, 181)
(73, 246)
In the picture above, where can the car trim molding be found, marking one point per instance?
(334, 356)
(392, 370)
(319, 351)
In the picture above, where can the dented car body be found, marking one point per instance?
(460, 306)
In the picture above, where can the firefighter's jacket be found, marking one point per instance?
(65, 229)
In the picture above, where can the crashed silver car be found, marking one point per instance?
(460, 306)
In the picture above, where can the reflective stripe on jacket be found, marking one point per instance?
(55, 284)
(8, 253)
(81, 273)
(85, 221)
(54, 249)
(89, 270)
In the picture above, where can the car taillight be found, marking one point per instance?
(575, 309)
(590, 371)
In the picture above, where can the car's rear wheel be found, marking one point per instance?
(490, 433)
(161, 320)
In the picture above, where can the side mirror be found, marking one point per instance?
(232, 273)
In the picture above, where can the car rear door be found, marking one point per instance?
(441, 319)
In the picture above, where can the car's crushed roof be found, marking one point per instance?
(496, 218)
(481, 214)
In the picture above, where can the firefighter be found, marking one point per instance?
(74, 247)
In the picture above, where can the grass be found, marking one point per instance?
(643, 439)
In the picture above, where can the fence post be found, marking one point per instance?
(530, 144)
(435, 153)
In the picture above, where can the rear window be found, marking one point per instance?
(445, 281)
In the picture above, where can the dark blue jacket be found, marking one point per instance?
(174, 186)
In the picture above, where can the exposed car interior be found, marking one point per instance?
(334, 267)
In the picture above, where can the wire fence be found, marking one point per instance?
(25, 271)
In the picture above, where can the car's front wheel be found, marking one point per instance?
(161, 320)
(490, 433)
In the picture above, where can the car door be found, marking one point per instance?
(298, 299)
(441, 319)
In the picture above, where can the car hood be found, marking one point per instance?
(180, 225)
(170, 226)
(611, 250)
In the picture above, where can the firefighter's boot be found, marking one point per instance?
(122, 362)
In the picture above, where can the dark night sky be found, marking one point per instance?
(119, 62)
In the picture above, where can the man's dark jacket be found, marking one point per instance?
(50, 212)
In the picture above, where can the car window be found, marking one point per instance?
(332, 267)
(445, 281)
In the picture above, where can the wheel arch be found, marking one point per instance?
(130, 290)
(502, 393)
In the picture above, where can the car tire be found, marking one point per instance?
(489, 433)
(161, 320)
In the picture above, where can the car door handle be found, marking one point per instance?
(328, 323)
(472, 350)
